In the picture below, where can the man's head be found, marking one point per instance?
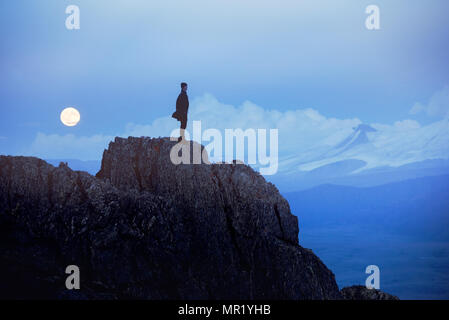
(184, 86)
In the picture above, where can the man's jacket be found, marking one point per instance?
(182, 106)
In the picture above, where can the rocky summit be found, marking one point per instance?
(145, 228)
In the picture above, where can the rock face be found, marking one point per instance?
(362, 293)
(146, 228)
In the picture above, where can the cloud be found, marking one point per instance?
(303, 133)
(437, 106)
(417, 108)
(54, 146)
(299, 130)
(407, 124)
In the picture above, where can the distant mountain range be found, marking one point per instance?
(417, 207)
(402, 227)
(369, 156)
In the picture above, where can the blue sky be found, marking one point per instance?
(125, 63)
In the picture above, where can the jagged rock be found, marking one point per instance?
(146, 228)
(363, 293)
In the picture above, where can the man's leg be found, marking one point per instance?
(182, 129)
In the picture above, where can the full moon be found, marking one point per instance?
(70, 117)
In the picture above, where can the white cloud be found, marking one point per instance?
(299, 130)
(407, 124)
(54, 146)
(417, 108)
(438, 104)
(305, 135)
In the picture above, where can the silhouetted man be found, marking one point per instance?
(182, 107)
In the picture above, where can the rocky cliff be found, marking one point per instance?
(146, 228)
(362, 293)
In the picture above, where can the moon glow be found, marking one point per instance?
(70, 117)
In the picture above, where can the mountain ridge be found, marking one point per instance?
(414, 207)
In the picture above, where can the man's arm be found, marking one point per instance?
(178, 103)
(183, 103)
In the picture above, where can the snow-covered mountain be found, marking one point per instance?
(358, 137)
(370, 155)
